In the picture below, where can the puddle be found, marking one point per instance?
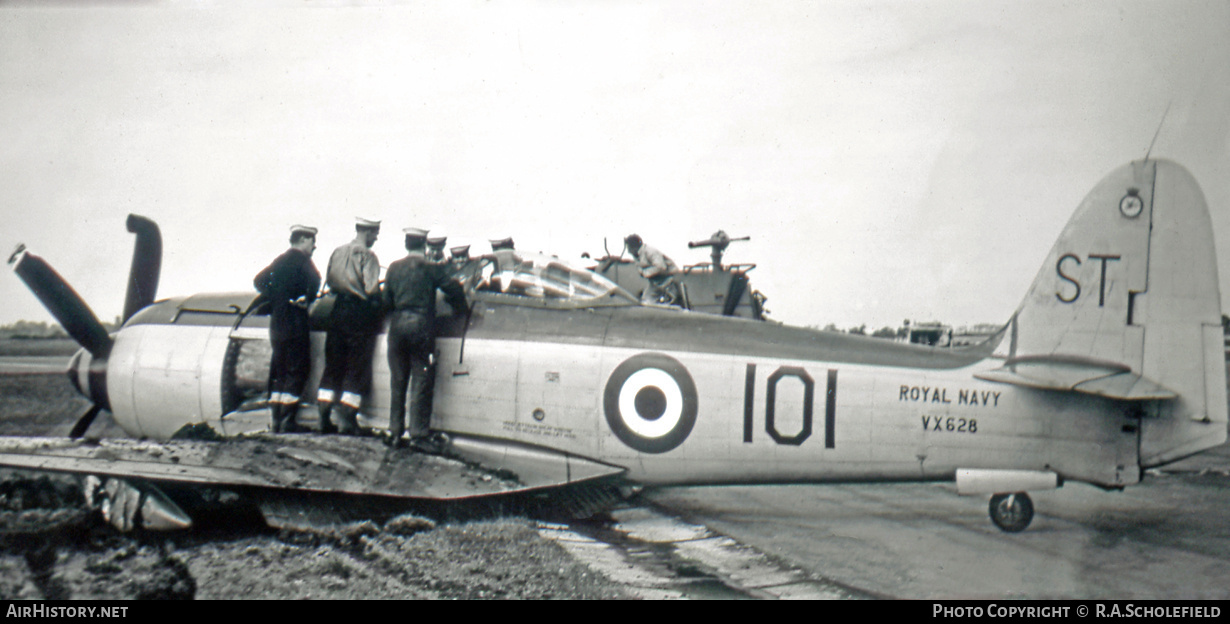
(647, 569)
(658, 557)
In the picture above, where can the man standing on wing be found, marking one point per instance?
(410, 292)
(290, 284)
(354, 278)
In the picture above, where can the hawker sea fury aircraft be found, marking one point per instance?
(1112, 364)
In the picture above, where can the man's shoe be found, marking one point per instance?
(277, 415)
(326, 425)
(432, 443)
(347, 423)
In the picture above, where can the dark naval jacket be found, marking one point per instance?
(411, 282)
(291, 276)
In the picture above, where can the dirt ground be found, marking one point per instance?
(52, 547)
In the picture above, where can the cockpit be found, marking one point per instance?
(545, 279)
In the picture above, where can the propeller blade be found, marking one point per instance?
(146, 265)
(62, 301)
(84, 421)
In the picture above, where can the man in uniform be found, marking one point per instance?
(465, 269)
(502, 259)
(354, 278)
(505, 254)
(290, 285)
(436, 241)
(410, 292)
(658, 269)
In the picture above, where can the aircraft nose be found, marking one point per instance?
(89, 377)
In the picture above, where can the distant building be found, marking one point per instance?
(931, 334)
(937, 334)
(974, 334)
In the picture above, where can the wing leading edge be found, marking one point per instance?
(312, 464)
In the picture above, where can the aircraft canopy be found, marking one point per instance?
(543, 277)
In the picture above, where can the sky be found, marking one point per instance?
(888, 160)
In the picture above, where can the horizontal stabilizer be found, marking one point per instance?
(1078, 374)
(311, 463)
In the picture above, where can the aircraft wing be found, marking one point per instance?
(313, 463)
(1074, 373)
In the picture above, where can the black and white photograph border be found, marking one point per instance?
(892, 166)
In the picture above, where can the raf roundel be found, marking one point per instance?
(1131, 205)
(650, 402)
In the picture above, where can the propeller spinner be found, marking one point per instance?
(88, 368)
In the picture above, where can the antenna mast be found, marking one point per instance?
(1159, 130)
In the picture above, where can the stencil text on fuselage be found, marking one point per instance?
(960, 396)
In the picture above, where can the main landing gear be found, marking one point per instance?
(1012, 512)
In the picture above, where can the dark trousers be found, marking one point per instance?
(348, 351)
(290, 366)
(662, 289)
(410, 346)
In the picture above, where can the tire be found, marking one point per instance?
(1012, 512)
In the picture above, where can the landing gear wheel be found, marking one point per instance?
(1012, 512)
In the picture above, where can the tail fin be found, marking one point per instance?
(1127, 305)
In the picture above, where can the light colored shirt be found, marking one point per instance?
(354, 269)
(653, 263)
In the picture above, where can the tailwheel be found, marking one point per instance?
(1012, 512)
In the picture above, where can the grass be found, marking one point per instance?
(38, 346)
(38, 404)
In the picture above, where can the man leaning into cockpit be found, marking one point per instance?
(410, 293)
